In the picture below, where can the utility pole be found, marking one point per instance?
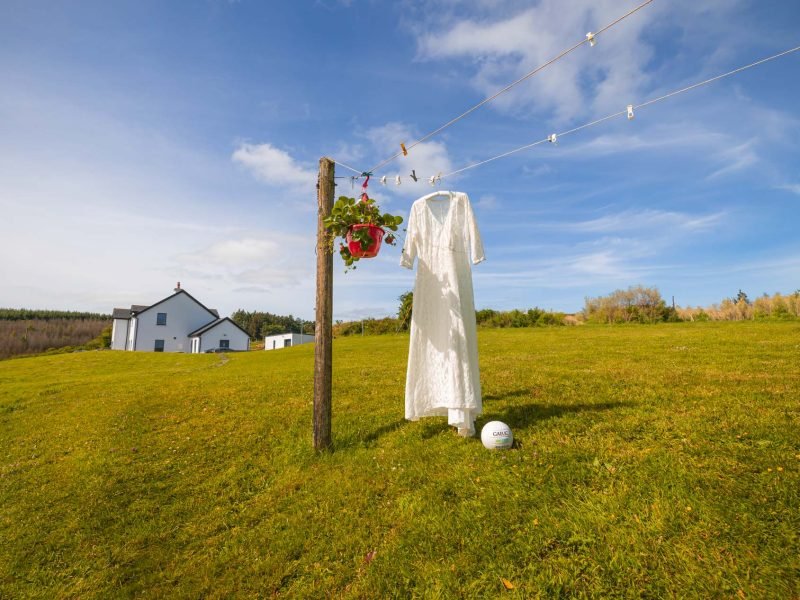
(323, 331)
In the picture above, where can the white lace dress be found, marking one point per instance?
(443, 376)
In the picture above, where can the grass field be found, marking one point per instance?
(652, 461)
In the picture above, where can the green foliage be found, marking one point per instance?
(650, 463)
(348, 212)
(534, 317)
(366, 327)
(637, 304)
(259, 324)
(26, 314)
(780, 307)
(405, 310)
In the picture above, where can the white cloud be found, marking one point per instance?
(587, 80)
(496, 49)
(273, 165)
(279, 260)
(736, 159)
(632, 220)
(487, 202)
(791, 187)
(425, 159)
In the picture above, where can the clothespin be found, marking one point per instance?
(552, 138)
(414, 175)
(383, 180)
(366, 181)
(403, 148)
(353, 182)
(630, 112)
(397, 180)
(434, 179)
(592, 41)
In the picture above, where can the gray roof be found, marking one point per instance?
(213, 324)
(127, 313)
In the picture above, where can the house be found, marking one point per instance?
(178, 323)
(286, 340)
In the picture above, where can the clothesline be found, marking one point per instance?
(629, 112)
(590, 39)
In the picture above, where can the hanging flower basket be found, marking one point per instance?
(359, 248)
(363, 228)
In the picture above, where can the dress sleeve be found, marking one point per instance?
(473, 235)
(411, 244)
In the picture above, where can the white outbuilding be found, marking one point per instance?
(286, 340)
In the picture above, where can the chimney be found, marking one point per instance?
(178, 287)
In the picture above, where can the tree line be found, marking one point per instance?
(260, 324)
(486, 318)
(779, 307)
(636, 304)
(27, 314)
(639, 304)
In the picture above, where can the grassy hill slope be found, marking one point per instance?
(652, 461)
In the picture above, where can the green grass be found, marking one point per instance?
(658, 461)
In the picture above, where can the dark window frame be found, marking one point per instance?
(225, 344)
(159, 320)
(156, 347)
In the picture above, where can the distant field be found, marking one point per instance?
(31, 336)
(652, 461)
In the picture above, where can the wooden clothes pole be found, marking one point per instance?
(323, 332)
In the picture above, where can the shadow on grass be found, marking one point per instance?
(525, 415)
(382, 430)
(518, 417)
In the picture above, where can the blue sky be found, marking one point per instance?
(142, 143)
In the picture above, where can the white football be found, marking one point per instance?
(496, 435)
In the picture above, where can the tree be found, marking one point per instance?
(404, 312)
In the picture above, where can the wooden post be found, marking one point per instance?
(323, 332)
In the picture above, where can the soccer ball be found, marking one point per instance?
(496, 435)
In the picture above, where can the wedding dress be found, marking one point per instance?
(443, 376)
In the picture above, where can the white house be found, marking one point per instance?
(178, 323)
(286, 340)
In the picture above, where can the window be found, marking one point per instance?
(161, 319)
(224, 343)
(287, 343)
(159, 347)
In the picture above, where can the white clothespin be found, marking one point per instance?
(383, 180)
(352, 182)
(397, 180)
(630, 112)
(592, 41)
(434, 179)
(552, 138)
